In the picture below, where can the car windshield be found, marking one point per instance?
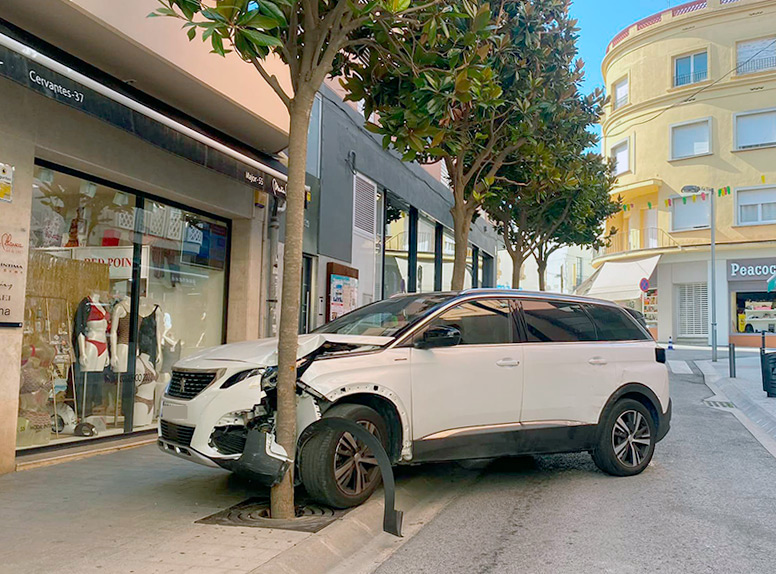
(385, 318)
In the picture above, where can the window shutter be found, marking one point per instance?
(364, 205)
(621, 155)
(690, 215)
(690, 140)
(693, 310)
(756, 130)
(756, 55)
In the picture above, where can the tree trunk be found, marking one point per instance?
(462, 220)
(517, 267)
(541, 264)
(282, 495)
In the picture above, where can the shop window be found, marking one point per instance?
(755, 130)
(621, 155)
(621, 93)
(690, 212)
(693, 310)
(756, 56)
(691, 69)
(397, 247)
(691, 139)
(756, 206)
(80, 377)
(448, 259)
(426, 252)
(755, 312)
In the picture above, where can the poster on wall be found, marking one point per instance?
(6, 182)
(342, 290)
(13, 270)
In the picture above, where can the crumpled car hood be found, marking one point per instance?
(263, 352)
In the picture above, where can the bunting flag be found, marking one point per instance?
(694, 197)
(684, 200)
(668, 203)
(703, 196)
(649, 205)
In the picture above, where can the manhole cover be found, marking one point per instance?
(254, 513)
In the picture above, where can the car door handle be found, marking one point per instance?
(508, 363)
(598, 361)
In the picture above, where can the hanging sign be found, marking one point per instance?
(6, 182)
(13, 270)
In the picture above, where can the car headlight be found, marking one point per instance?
(241, 376)
(269, 380)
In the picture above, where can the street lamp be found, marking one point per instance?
(692, 190)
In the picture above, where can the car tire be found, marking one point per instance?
(626, 439)
(337, 470)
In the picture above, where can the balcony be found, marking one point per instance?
(687, 79)
(758, 65)
(638, 240)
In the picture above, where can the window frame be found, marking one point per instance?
(738, 74)
(629, 145)
(524, 323)
(759, 206)
(692, 56)
(620, 80)
(671, 152)
(736, 146)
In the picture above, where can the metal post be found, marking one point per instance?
(713, 277)
(762, 344)
(732, 359)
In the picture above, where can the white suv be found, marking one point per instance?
(436, 376)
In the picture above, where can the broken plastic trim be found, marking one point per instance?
(263, 458)
(392, 518)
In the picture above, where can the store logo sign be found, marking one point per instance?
(751, 269)
(9, 245)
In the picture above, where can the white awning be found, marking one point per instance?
(619, 280)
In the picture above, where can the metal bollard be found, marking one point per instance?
(762, 345)
(732, 359)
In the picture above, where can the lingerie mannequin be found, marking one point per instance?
(90, 332)
(145, 386)
(171, 354)
(119, 336)
(149, 333)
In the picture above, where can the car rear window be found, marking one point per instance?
(557, 322)
(615, 324)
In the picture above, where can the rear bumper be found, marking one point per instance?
(664, 424)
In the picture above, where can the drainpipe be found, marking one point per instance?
(272, 291)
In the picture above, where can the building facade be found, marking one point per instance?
(142, 186)
(691, 120)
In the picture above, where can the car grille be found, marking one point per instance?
(229, 442)
(179, 434)
(188, 384)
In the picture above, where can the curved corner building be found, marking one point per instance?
(693, 103)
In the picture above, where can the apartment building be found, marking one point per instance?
(691, 120)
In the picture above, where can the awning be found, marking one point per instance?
(619, 280)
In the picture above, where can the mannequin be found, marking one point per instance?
(171, 354)
(90, 332)
(119, 336)
(145, 386)
(149, 333)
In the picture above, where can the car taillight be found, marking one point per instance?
(660, 355)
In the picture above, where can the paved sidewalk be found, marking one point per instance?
(129, 512)
(745, 391)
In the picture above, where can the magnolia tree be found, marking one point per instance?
(524, 51)
(314, 39)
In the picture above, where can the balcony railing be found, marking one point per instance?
(637, 239)
(758, 65)
(694, 78)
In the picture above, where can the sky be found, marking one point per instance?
(600, 21)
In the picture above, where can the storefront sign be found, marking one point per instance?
(13, 270)
(119, 259)
(6, 182)
(751, 269)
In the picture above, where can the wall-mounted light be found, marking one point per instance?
(351, 161)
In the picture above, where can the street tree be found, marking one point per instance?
(527, 48)
(313, 39)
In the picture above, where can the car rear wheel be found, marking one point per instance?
(336, 468)
(626, 440)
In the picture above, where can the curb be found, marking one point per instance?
(61, 457)
(424, 495)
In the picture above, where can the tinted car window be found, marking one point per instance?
(614, 324)
(483, 322)
(557, 322)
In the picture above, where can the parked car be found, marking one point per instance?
(436, 376)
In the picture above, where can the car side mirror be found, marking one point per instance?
(439, 337)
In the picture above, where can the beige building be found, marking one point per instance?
(693, 103)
